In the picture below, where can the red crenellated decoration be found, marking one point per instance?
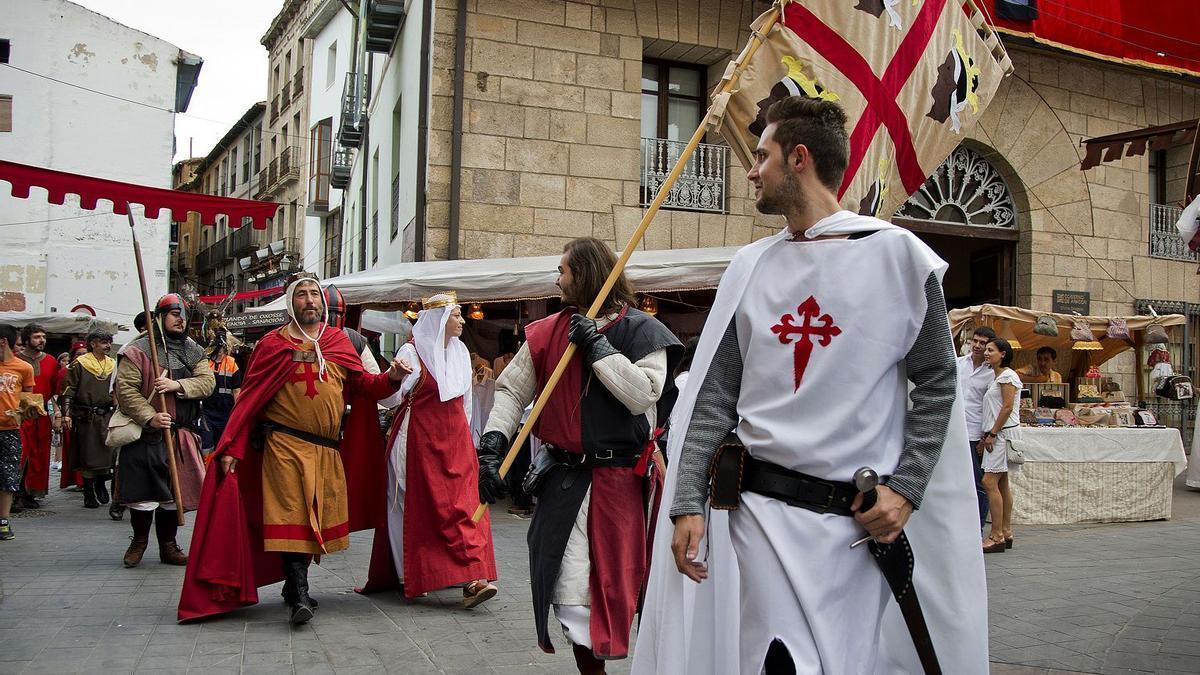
(91, 190)
(1158, 35)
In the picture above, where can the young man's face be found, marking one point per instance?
(1045, 362)
(978, 344)
(173, 323)
(308, 304)
(36, 342)
(565, 280)
(776, 185)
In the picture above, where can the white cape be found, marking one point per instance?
(694, 629)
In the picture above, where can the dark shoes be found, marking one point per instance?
(295, 574)
(116, 511)
(137, 548)
(101, 489)
(89, 494)
(28, 502)
(170, 553)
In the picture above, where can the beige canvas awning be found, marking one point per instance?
(1020, 321)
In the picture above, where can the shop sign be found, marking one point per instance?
(1068, 302)
(257, 320)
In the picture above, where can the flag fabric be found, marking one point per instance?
(912, 76)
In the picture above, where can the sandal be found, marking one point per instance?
(990, 545)
(478, 592)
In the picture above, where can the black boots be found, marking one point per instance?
(295, 574)
(141, 521)
(100, 488)
(165, 525)
(89, 494)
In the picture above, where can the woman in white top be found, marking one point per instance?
(1002, 425)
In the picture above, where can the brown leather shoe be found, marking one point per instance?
(137, 548)
(170, 553)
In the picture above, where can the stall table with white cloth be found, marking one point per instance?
(1095, 474)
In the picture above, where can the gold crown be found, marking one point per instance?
(440, 300)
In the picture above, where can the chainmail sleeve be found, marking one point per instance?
(714, 416)
(931, 368)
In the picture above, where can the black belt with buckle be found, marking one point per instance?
(612, 458)
(271, 427)
(798, 489)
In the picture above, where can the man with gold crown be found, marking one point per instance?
(430, 540)
(304, 473)
(145, 485)
(88, 406)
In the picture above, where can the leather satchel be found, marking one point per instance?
(122, 430)
(725, 474)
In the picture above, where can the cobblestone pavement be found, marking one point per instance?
(1098, 598)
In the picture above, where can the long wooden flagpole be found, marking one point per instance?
(664, 190)
(160, 401)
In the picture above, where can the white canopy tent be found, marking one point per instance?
(509, 279)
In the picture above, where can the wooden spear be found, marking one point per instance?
(160, 401)
(664, 190)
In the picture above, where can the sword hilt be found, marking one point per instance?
(866, 480)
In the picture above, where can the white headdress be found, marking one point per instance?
(291, 310)
(448, 363)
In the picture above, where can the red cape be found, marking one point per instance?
(227, 563)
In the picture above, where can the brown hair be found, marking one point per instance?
(819, 126)
(591, 261)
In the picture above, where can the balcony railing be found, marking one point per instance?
(289, 163)
(286, 98)
(242, 241)
(354, 110)
(280, 171)
(343, 163)
(298, 83)
(263, 184)
(1165, 241)
(395, 206)
(701, 186)
(275, 108)
(212, 257)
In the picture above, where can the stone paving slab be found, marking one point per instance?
(1113, 598)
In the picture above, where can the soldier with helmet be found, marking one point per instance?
(88, 406)
(145, 484)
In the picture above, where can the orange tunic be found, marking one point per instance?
(304, 484)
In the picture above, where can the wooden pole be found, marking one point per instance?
(160, 402)
(663, 191)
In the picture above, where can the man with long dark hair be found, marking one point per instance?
(35, 433)
(587, 541)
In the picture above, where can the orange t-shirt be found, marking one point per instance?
(15, 376)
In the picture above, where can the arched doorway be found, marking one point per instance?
(966, 213)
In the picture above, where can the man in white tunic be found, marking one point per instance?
(808, 353)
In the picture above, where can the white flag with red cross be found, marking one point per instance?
(912, 76)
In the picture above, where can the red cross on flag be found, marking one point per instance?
(912, 76)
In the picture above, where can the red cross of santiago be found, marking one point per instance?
(822, 328)
(309, 378)
(880, 92)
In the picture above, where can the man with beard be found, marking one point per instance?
(35, 433)
(813, 341)
(145, 481)
(300, 485)
(587, 540)
(89, 405)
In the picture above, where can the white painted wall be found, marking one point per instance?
(325, 100)
(396, 80)
(55, 262)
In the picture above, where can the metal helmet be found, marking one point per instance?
(335, 306)
(171, 302)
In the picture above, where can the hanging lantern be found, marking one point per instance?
(410, 311)
(1007, 334)
(475, 311)
(648, 305)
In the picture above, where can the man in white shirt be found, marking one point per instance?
(974, 376)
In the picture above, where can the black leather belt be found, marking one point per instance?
(797, 489)
(613, 458)
(271, 427)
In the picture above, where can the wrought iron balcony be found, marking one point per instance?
(701, 185)
(298, 83)
(243, 240)
(286, 97)
(289, 164)
(263, 183)
(275, 108)
(212, 257)
(343, 163)
(354, 110)
(1165, 241)
(384, 19)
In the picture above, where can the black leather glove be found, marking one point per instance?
(591, 341)
(491, 450)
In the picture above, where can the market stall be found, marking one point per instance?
(1090, 454)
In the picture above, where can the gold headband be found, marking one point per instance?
(440, 300)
